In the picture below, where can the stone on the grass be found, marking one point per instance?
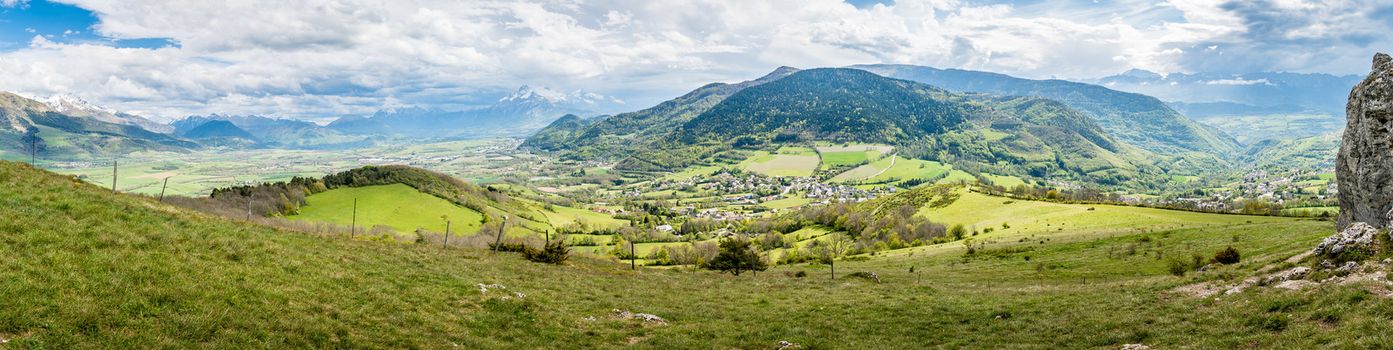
(1358, 235)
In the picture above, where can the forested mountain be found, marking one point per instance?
(31, 124)
(830, 104)
(1021, 135)
(1137, 119)
(609, 138)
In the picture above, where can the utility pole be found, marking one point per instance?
(498, 243)
(113, 175)
(353, 228)
(166, 185)
(447, 234)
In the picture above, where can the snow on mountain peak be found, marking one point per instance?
(544, 94)
(64, 103)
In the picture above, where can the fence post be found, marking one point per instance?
(353, 227)
(447, 234)
(166, 185)
(497, 243)
(114, 163)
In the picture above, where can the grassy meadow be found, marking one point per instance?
(398, 206)
(85, 268)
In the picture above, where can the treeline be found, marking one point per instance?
(260, 200)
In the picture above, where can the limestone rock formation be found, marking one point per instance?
(1358, 236)
(1364, 167)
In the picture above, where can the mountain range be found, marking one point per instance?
(1209, 94)
(524, 111)
(1026, 135)
(1138, 119)
(71, 129)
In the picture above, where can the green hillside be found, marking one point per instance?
(31, 125)
(399, 206)
(88, 269)
(1138, 119)
(1019, 136)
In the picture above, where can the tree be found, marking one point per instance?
(827, 252)
(737, 256)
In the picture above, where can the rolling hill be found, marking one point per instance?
(153, 275)
(398, 206)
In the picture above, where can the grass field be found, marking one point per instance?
(957, 177)
(84, 268)
(1004, 181)
(791, 202)
(398, 206)
(788, 161)
(893, 169)
(562, 216)
(1312, 211)
(1071, 221)
(848, 155)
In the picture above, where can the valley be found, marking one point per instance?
(1043, 286)
(521, 175)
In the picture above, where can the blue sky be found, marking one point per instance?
(60, 23)
(319, 59)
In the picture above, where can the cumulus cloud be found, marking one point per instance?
(319, 58)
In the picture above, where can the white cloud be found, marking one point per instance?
(319, 58)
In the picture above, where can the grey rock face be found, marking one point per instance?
(1357, 236)
(1364, 167)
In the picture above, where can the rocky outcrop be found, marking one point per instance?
(1364, 167)
(1357, 237)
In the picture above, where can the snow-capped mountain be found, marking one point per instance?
(574, 99)
(77, 107)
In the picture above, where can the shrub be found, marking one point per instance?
(509, 247)
(555, 252)
(1227, 256)
(1177, 267)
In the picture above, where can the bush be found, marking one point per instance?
(555, 252)
(1227, 256)
(509, 247)
(1177, 267)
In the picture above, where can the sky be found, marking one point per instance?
(320, 59)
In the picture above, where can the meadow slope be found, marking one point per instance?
(84, 268)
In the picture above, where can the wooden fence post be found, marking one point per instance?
(113, 175)
(447, 234)
(498, 243)
(166, 185)
(353, 227)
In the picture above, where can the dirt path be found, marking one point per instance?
(893, 158)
